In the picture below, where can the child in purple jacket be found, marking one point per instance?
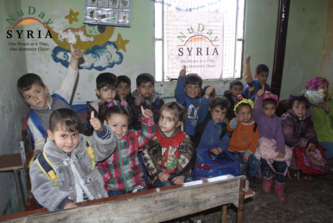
(298, 131)
(270, 127)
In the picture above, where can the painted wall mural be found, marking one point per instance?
(93, 40)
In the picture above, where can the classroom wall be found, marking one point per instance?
(12, 107)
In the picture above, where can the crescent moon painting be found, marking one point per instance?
(93, 40)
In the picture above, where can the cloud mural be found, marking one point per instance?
(98, 57)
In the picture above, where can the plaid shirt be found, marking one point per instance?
(122, 170)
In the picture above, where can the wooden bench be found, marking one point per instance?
(153, 205)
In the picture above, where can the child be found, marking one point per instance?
(244, 138)
(235, 89)
(212, 95)
(297, 129)
(42, 104)
(253, 86)
(106, 84)
(270, 127)
(322, 116)
(72, 162)
(122, 172)
(188, 94)
(212, 128)
(146, 96)
(170, 156)
(124, 94)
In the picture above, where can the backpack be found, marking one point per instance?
(210, 165)
(311, 162)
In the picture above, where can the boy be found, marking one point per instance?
(146, 96)
(36, 94)
(124, 94)
(188, 93)
(106, 92)
(235, 89)
(212, 128)
(252, 87)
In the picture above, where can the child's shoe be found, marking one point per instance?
(292, 174)
(253, 181)
(278, 191)
(266, 184)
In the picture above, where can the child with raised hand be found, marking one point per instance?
(170, 156)
(106, 85)
(122, 171)
(212, 128)
(244, 138)
(322, 115)
(298, 131)
(36, 94)
(187, 93)
(124, 95)
(254, 85)
(269, 126)
(71, 157)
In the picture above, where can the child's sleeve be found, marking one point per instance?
(232, 125)
(67, 85)
(310, 134)
(224, 142)
(203, 109)
(45, 192)
(187, 157)
(290, 138)
(147, 131)
(103, 143)
(280, 143)
(37, 136)
(254, 143)
(257, 108)
(179, 91)
(150, 162)
(248, 76)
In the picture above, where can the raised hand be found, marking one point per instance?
(239, 118)
(209, 91)
(248, 58)
(138, 100)
(146, 112)
(122, 101)
(261, 91)
(182, 72)
(76, 52)
(94, 122)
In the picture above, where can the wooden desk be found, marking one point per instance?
(12, 161)
(153, 205)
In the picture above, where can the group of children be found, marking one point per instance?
(133, 139)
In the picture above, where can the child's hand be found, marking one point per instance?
(182, 72)
(280, 154)
(216, 151)
(146, 112)
(261, 91)
(209, 91)
(94, 122)
(178, 180)
(323, 105)
(248, 57)
(163, 176)
(70, 204)
(122, 102)
(138, 100)
(239, 118)
(76, 53)
(245, 157)
(311, 146)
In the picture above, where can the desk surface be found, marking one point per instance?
(12, 161)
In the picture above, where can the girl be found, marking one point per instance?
(122, 172)
(170, 157)
(322, 116)
(71, 176)
(297, 129)
(270, 127)
(244, 138)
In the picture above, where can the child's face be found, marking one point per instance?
(218, 114)
(299, 109)
(36, 96)
(167, 122)
(192, 90)
(64, 139)
(262, 77)
(235, 91)
(123, 89)
(244, 113)
(118, 124)
(106, 94)
(324, 87)
(145, 89)
(269, 110)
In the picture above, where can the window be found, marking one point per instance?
(205, 36)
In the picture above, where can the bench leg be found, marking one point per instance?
(224, 213)
(241, 201)
(19, 190)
